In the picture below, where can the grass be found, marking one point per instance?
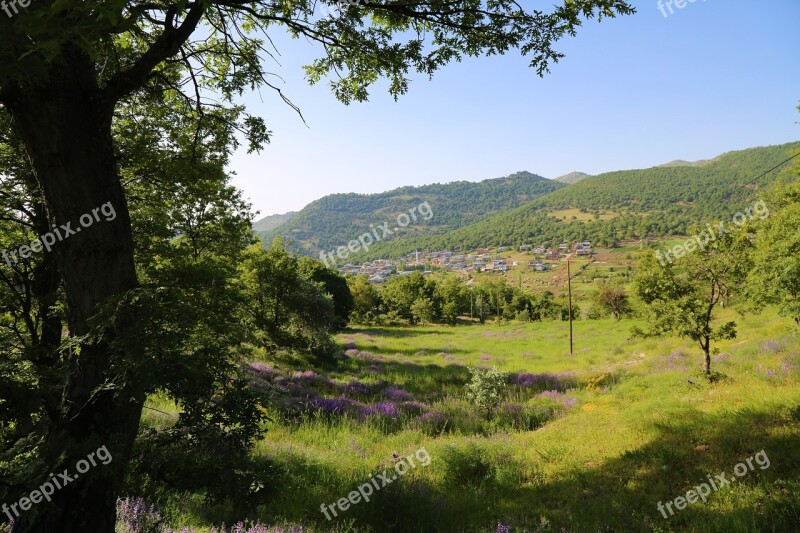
(576, 215)
(646, 428)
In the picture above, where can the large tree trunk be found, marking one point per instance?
(67, 133)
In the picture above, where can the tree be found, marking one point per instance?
(334, 284)
(401, 293)
(486, 388)
(366, 299)
(422, 311)
(681, 298)
(454, 296)
(69, 66)
(178, 333)
(775, 278)
(287, 308)
(613, 299)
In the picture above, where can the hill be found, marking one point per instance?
(271, 222)
(650, 202)
(572, 178)
(682, 163)
(336, 219)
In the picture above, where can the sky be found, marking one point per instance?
(632, 92)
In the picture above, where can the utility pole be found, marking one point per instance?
(471, 301)
(498, 305)
(569, 288)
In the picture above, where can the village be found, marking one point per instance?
(542, 259)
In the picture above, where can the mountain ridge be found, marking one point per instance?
(335, 219)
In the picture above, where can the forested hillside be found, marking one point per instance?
(273, 221)
(710, 190)
(572, 177)
(335, 219)
(647, 203)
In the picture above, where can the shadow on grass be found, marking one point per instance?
(476, 488)
(398, 332)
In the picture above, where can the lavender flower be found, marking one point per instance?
(307, 376)
(380, 409)
(393, 393)
(561, 380)
(135, 516)
(432, 422)
(356, 387)
(332, 406)
(263, 369)
(413, 406)
(560, 397)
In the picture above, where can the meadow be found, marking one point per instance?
(585, 442)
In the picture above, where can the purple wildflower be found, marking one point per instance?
(332, 406)
(393, 393)
(263, 369)
(413, 406)
(557, 396)
(356, 387)
(432, 422)
(561, 380)
(134, 515)
(308, 375)
(380, 409)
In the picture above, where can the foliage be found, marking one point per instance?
(72, 69)
(775, 277)
(651, 202)
(613, 299)
(367, 301)
(681, 299)
(286, 307)
(486, 388)
(336, 219)
(334, 285)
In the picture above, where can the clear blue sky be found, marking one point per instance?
(634, 92)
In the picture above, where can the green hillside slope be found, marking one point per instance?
(271, 222)
(645, 203)
(334, 220)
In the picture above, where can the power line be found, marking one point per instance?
(761, 176)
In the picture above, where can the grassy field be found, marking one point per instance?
(576, 215)
(585, 442)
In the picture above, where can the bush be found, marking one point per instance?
(486, 388)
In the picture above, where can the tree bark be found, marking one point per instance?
(66, 128)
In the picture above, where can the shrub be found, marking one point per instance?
(486, 388)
